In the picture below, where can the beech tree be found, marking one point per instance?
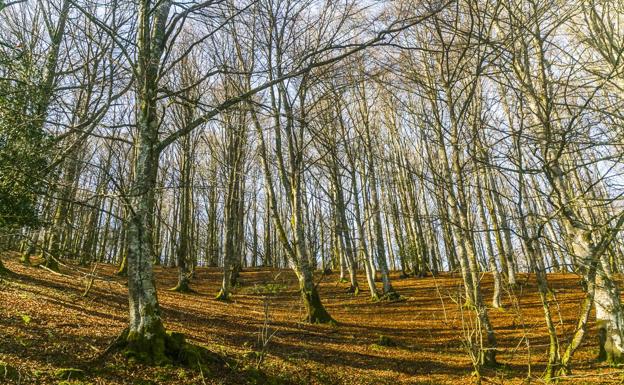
(397, 141)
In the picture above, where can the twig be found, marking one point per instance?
(90, 284)
(54, 272)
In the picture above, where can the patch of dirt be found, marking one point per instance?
(46, 324)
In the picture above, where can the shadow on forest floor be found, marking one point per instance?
(46, 324)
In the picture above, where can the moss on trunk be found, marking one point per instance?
(165, 348)
(148, 346)
(235, 276)
(52, 264)
(552, 369)
(182, 286)
(123, 268)
(3, 269)
(354, 289)
(25, 258)
(609, 351)
(315, 309)
(223, 295)
(391, 296)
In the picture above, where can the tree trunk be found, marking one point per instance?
(146, 334)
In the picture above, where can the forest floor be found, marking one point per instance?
(46, 324)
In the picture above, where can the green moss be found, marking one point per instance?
(25, 259)
(386, 341)
(52, 264)
(316, 311)
(148, 350)
(222, 296)
(68, 373)
(166, 348)
(8, 372)
(181, 374)
(377, 347)
(123, 268)
(196, 356)
(175, 341)
(26, 319)
(392, 296)
(182, 287)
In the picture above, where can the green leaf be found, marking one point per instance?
(26, 319)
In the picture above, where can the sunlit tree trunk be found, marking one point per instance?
(146, 333)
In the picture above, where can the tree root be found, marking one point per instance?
(392, 296)
(182, 288)
(355, 290)
(163, 349)
(222, 296)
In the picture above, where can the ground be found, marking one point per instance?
(46, 324)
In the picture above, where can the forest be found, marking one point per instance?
(311, 192)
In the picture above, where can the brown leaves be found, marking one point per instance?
(46, 324)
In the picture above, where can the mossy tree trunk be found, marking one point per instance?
(235, 124)
(212, 239)
(146, 334)
(31, 248)
(122, 270)
(3, 269)
(291, 178)
(316, 312)
(42, 106)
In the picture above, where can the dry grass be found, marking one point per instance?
(46, 324)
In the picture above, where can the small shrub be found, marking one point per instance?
(26, 319)
(386, 341)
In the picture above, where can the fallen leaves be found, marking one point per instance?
(46, 325)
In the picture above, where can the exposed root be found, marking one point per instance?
(317, 314)
(355, 290)
(392, 296)
(25, 259)
(51, 264)
(162, 349)
(182, 287)
(222, 296)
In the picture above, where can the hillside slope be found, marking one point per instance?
(46, 324)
